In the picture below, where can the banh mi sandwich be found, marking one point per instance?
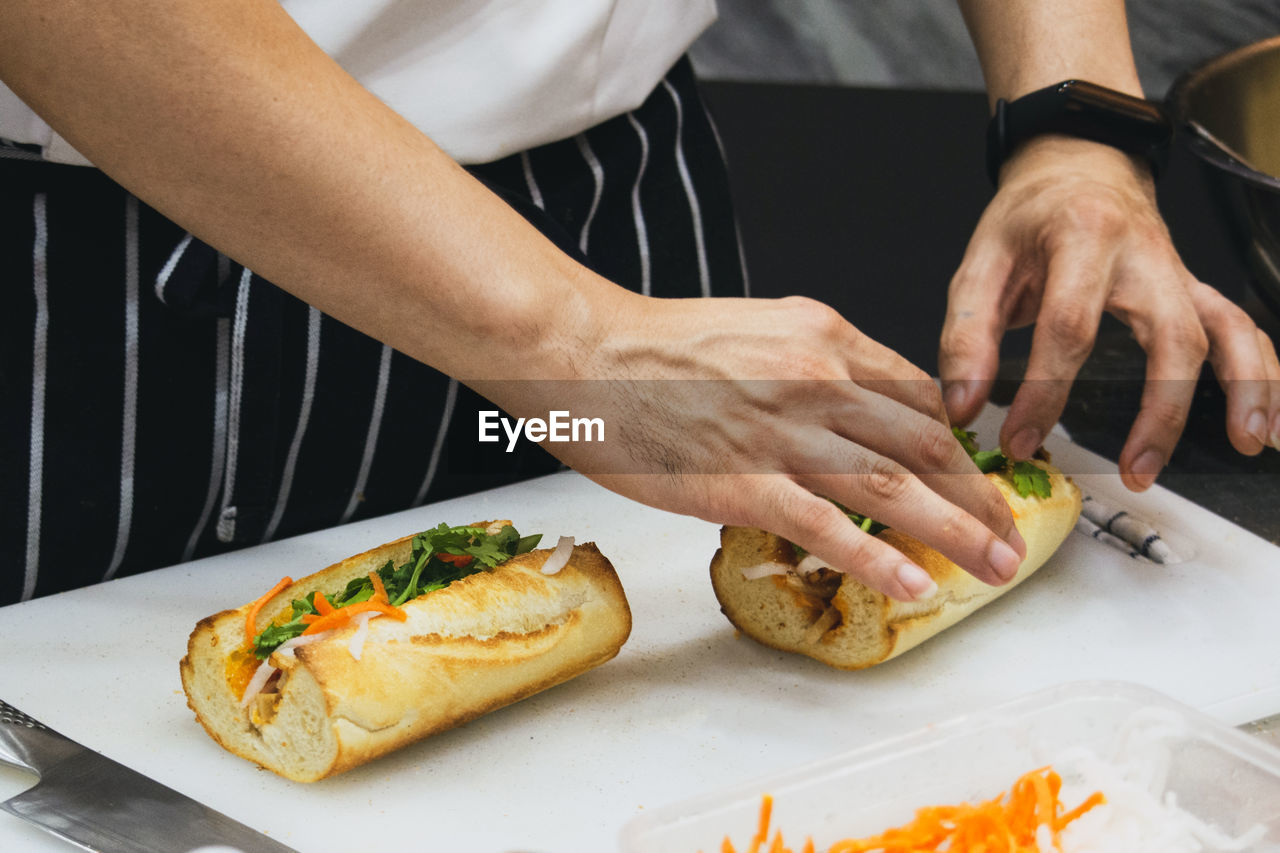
(784, 598)
(411, 638)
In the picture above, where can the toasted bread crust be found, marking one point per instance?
(868, 627)
(483, 642)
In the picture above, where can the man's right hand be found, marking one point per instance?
(755, 412)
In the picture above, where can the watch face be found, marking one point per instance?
(1087, 97)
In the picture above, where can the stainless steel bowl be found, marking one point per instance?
(1229, 111)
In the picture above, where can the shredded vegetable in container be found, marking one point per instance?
(1028, 818)
(1142, 814)
(1080, 804)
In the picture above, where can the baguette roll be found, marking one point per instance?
(482, 642)
(836, 619)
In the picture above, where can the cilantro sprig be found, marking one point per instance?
(1027, 478)
(438, 557)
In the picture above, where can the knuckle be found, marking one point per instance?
(917, 390)
(996, 509)
(1217, 310)
(886, 482)
(1190, 338)
(936, 448)
(805, 513)
(1167, 416)
(961, 341)
(1072, 329)
(931, 402)
(815, 316)
(861, 553)
(1237, 319)
(1151, 237)
(1094, 214)
(1265, 343)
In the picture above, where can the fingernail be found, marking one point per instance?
(1275, 432)
(1256, 426)
(1147, 467)
(1025, 443)
(957, 395)
(916, 581)
(1004, 561)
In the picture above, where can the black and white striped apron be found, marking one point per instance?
(159, 402)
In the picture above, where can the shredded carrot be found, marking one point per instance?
(1094, 799)
(1005, 824)
(323, 607)
(251, 618)
(762, 835)
(762, 830)
(342, 615)
(458, 560)
(327, 616)
(379, 591)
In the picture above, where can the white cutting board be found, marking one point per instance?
(687, 706)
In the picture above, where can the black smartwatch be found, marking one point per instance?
(1084, 110)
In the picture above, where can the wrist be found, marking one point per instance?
(553, 355)
(1057, 153)
(552, 329)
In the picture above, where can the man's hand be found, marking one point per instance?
(754, 412)
(1074, 231)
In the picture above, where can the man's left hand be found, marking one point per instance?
(1074, 231)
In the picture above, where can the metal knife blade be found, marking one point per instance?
(101, 805)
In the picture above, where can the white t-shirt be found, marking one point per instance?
(483, 78)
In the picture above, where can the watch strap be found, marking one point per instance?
(1083, 110)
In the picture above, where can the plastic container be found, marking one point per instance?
(1219, 774)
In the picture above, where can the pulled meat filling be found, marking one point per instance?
(262, 709)
(815, 591)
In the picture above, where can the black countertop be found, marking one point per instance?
(865, 199)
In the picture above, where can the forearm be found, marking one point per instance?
(1025, 45)
(228, 119)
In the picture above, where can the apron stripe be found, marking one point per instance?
(637, 212)
(40, 360)
(304, 418)
(535, 194)
(695, 210)
(218, 452)
(737, 229)
(597, 175)
(450, 400)
(371, 440)
(129, 428)
(162, 280)
(226, 529)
